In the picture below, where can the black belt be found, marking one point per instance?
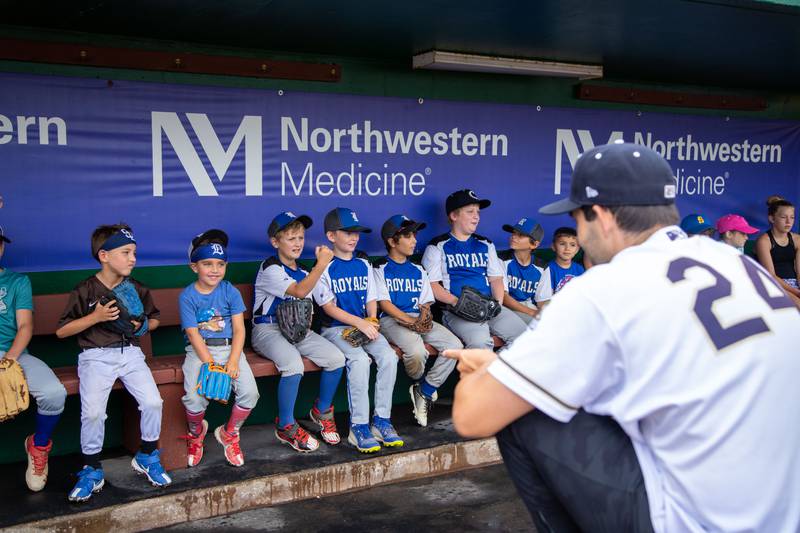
(218, 342)
(119, 344)
(265, 319)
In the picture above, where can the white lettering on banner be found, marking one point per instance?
(352, 182)
(220, 159)
(25, 123)
(681, 149)
(362, 138)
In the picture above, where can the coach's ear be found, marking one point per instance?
(605, 218)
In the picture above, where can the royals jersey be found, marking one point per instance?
(520, 281)
(272, 280)
(406, 284)
(457, 264)
(348, 283)
(554, 278)
(691, 348)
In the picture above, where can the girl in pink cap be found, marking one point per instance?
(734, 230)
(778, 249)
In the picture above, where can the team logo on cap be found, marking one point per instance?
(700, 219)
(216, 249)
(669, 191)
(290, 214)
(353, 214)
(522, 221)
(127, 233)
(472, 194)
(591, 193)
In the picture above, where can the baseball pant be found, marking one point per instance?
(357, 364)
(507, 325)
(269, 342)
(98, 369)
(244, 387)
(578, 476)
(43, 385)
(528, 319)
(415, 355)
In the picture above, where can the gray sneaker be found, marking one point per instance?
(421, 405)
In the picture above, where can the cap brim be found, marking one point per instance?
(412, 226)
(5, 239)
(211, 235)
(359, 229)
(750, 230)
(565, 205)
(509, 228)
(305, 220)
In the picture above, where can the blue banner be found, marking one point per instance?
(174, 160)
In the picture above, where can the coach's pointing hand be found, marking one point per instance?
(470, 360)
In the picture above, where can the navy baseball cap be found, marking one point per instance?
(462, 198)
(399, 224)
(3, 235)
(344, 219)
(695, 224)
(617, 174)
(286, 218)
(526, 226)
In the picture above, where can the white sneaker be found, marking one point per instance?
(421, 405)
(36, 474)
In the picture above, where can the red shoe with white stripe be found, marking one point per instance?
(327, 425)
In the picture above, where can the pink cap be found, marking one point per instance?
(735, 223)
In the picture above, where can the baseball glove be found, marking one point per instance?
(424, 321)
(214, 383)
(130, 308)
(14, 396)
(294, 318)
(355, 337)
(474, 306)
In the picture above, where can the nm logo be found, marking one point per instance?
(566, 142)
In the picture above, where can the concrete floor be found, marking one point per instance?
(482, 499)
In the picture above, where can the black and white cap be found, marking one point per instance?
(617, 174)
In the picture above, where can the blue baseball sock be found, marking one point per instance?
(45, 424)
(287, 395)
(328, 382)
(427, 389)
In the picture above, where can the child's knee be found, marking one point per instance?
(151, 404)
(247, 397)
(52, 398)
(293, 368)
(93, 415)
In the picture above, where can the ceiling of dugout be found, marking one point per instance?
(750, 44)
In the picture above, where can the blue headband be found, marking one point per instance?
(120, 238)
(209, 251)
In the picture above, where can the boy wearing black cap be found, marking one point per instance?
(461, 258)
(404, 290)
(108, 355)
(16, 330)
(522, 275)
(212, 319)
(280, 277)
(347, 294)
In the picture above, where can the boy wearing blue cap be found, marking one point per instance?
(405, 294)
(522, 274)
(696, 224)
(212, 318)
(279, 278)
(347, 294)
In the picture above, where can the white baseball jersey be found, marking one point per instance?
(350, 283)
(405, 284)
(462, 263)
(692, 348)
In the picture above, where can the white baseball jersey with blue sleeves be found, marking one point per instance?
(272, 280)
(520, 281)
(350, 283)
(406, 284)
(457, 264)
(691, 348)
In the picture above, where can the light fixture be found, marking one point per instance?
(438, 60)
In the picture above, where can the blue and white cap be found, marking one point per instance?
(399, 224)
(526, 226)
(211, 244)
(286, 218)
(344, 219)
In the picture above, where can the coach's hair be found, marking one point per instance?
(102, 233)
(775, 202)
(294, 225)
(638, 218)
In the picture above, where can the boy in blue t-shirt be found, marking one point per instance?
(16, 330)
(561, 269)
(522, 273)
(212, 318)
(404, 290)
(347, 294)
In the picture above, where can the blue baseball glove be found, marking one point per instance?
(214, 383)
(130, 308)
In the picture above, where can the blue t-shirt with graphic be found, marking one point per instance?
(15, 294)
(348, 282)
(559, 276)
(405, 284)
(211, 313)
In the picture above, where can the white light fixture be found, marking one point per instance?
(438, 60)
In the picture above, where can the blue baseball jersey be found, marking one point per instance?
(520, 281)
(554, 278)
(350, 283)
(272, 280)
(405, 284)
(211, 313)
(457, 264)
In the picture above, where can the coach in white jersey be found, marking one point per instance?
(658, 390)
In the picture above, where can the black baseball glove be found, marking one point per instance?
(294, 318)
(475, 306)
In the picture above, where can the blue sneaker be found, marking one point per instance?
(362, 440)
(90, 480)
(150, 466)
(384, 432)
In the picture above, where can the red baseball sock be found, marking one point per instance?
(195, 422)
(238, 416)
